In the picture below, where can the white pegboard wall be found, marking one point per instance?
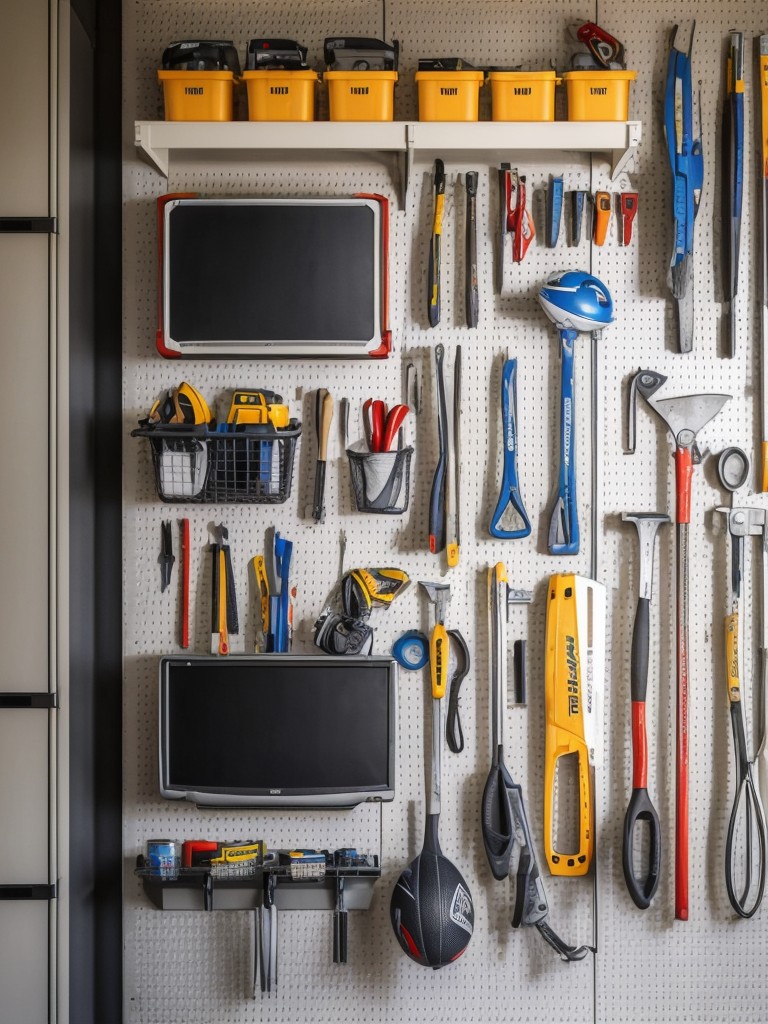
(195, 968)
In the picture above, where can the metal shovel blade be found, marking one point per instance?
(688, 413)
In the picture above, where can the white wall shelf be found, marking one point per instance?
(411, 141)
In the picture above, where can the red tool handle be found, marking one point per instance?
(639, 746)
(185, 558)
(392, 424)
(681, 748)
(683, 474)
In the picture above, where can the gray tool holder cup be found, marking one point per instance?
(381, 481)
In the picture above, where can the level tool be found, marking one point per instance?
(573, 699)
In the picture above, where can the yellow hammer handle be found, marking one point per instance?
(438, 659)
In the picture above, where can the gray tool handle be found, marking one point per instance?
(640, 645)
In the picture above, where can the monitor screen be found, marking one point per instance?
(246, 275)
(277, 730)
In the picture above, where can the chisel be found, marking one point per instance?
(470, 260)
(437, 525)
(733, 177)
(433, 290)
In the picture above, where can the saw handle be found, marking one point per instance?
(562, 743)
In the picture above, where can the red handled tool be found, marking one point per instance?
(627, 212)
(185, 559)
(640, 807)
(684, 417)
(382, 425)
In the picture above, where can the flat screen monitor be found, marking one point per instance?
(278, 730)
(261, 277)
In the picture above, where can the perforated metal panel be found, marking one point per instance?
(195, 968)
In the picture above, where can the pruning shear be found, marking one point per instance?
(381, 426)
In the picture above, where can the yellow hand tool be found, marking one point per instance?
(259, 407)
(433, 290)
(262, 581)
(573, 695)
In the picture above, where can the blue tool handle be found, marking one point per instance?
(510, 484)
(738, 139)
(285, 598)
(565, 504)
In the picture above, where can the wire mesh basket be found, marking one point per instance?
(381, 481)
(193, 464)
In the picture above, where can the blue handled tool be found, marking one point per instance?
(510, 519)
(733, 177)
(687, 164)
(564, 537)
(554, 209)
(574, 301)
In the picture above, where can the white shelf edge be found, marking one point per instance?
(158, 140)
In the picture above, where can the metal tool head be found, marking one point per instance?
(684, 415)
(517, 596)
(733, 468)
(440, 595)
(647, 524)
(744, 521)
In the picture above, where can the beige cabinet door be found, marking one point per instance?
(24, 961)
(24, 462)
(24, 110)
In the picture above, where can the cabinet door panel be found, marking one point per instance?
(23, 796)
(24, 462)
(24, 961)
(24, 110)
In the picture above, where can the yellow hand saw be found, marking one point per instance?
(573, 699)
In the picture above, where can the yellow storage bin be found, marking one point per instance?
(281, 95)
(523, 95)
(449, 95)
(361, 95)
(598, 95)
(197, 95)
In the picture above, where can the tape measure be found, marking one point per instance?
(411, 650)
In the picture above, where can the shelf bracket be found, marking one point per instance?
(410, 137)
(159, 158)
(620, 158)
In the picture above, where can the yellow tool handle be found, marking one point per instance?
(574, 862)
(324, 426)
(438, 659)
(260, 569)
(564, 726)
(223, 635)
(602, 216)
(452, 554)
(764, 482)
(437, 225)
(732, 657)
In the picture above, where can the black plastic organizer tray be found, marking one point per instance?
(194, 464)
